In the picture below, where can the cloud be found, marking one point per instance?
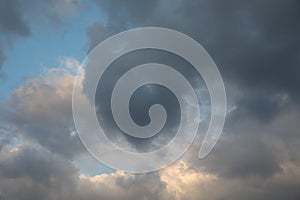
(252, 158)
(33, 172)
(12, 23)
(2, 58)
(188, 183)
(142, 99)
(125, 186)
(256, 51)
(258, 154)
(255, 48)
(41, 110)
(12, 20)
(36, 172)
(182, 181)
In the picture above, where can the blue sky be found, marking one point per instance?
(45, 46)
(43, 49)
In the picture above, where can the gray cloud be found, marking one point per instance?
(36, 163)
(143, 98)
(47, 176)
(252, 158)
(12, 20)
(12, 23)
(33, 172)
(30, 172)
(2, 59)
(41, 111)
(256, 49)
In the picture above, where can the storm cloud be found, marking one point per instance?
(255, 45)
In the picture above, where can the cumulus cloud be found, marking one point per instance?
(41, 109)
(252, 159)
(33, 172)
(258, 154)
(36, 172)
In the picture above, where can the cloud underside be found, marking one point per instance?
(251, 159)
(257, 157)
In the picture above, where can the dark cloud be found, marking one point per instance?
(30, 172)
(12, 19)
(256, 47)
(246, 156)
(37, 173)
(257, 51)
(145, 97)
(33, 172)
(36, 163)
(2, 59)
(12, 23)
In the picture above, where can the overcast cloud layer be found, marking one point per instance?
(256, 46)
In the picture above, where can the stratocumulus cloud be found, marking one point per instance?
(256, 47)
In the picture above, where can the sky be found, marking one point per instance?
(256, 46)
